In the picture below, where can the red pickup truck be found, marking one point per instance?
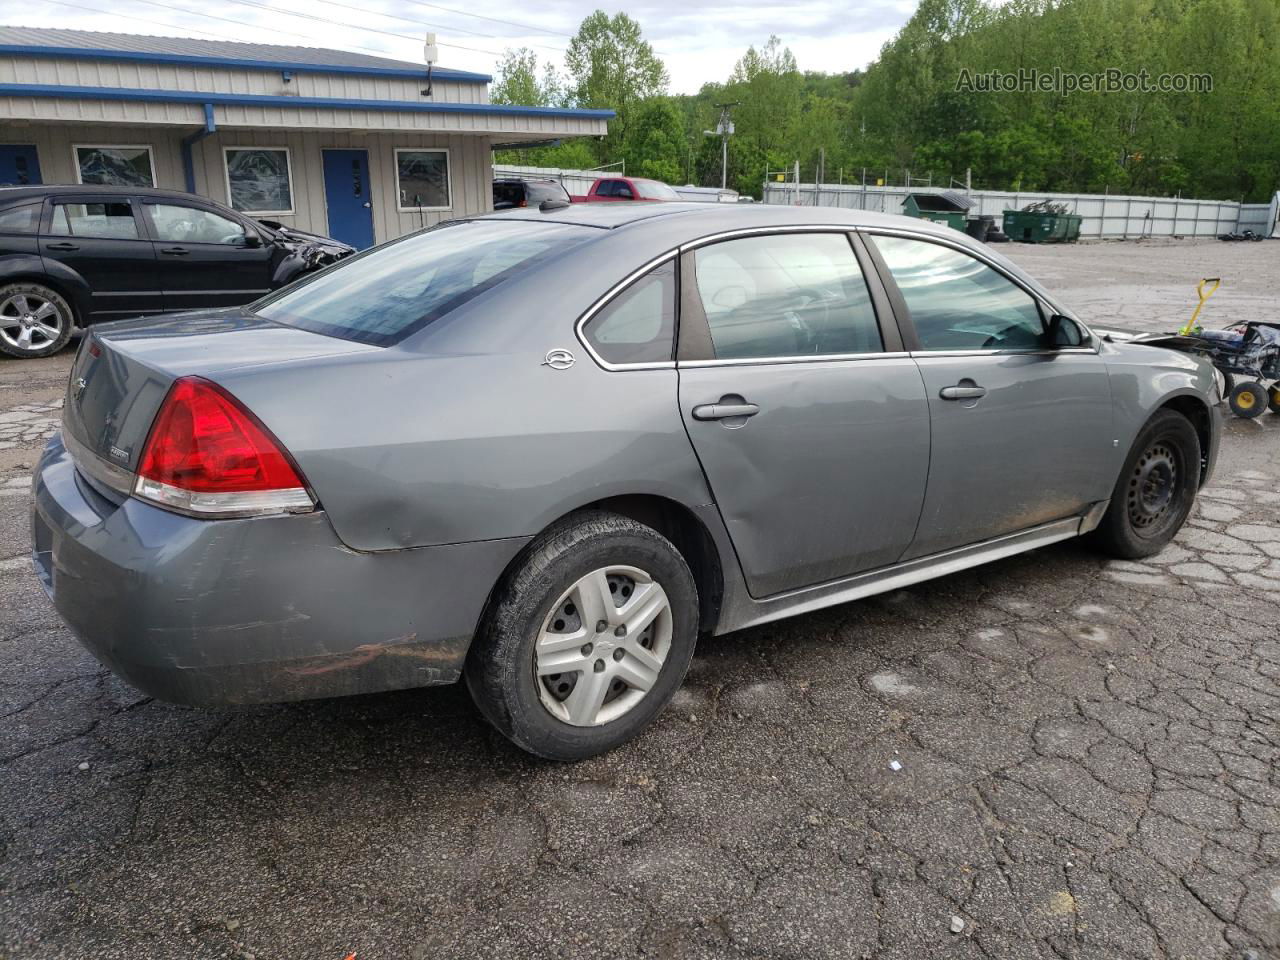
(611, 189)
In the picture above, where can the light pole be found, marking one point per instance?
(723, 130)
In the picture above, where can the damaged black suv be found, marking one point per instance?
(75, 255)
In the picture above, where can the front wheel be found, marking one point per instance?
(587, 640)
(35, 321)
(1155, 491)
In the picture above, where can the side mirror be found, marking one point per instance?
(1065, 332)
(252, 239)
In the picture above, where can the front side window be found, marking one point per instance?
(791, 295)
(119, 166)
(639, 324)
(259, 180)
(422, 177)
(385, 294)
(176, 224)
(24, 218)
(106, 221)
(957, 302)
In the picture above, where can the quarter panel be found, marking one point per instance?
(1145, 378)
(407, 450)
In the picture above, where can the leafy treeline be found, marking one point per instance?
(921, 107)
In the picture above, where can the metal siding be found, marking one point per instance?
(259, 82)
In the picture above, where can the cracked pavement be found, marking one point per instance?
(1087, 749)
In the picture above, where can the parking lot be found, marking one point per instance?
(1054, 756)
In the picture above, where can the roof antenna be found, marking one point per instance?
(430, 53)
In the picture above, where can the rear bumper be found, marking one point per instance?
(217, 612)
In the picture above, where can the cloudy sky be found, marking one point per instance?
(698, 42)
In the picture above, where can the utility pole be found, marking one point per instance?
(723, 130)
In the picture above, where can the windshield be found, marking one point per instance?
(385, 294)
(653, 190)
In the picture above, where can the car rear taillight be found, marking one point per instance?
(208, 456)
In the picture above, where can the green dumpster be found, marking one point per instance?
(1035, 227)
(947, 208)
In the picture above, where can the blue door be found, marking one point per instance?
(346, 193)
(19, 165)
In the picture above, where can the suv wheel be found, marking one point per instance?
(588, 640)
(35, 321)
(1155, 491)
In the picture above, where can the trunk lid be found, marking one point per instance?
(123, 371)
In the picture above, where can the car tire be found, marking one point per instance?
(534, 624)
(1228, 383)
(1273, 398)
(1248, 399)
(35, 320)
(1155, 491)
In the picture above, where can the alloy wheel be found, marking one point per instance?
(29, 322)
(602, 646)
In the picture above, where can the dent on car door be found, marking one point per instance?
(102, 240)
(810, 422)
(1022, 426)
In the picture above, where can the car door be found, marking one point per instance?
(102, 239)
(1022, 428)
(809, 420)
(204, 258)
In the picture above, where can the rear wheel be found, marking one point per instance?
(1248, 399)
(1273, 398)
(35, 321)
(1228, 383)
(1155, 491)
(587, 640)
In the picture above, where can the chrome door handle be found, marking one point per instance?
(963, 391)
(724, 411)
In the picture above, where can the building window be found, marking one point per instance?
(117, 165)
(422, 177)
(259, 179)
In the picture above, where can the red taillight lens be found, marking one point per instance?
(206, 454)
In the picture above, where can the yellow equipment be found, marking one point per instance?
(1204, 295)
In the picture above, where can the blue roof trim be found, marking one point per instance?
(262, 100)
(190, 59)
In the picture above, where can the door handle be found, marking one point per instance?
(62, 246)
(176, 251)
(964, 390)
(367, 204)
(724, 411)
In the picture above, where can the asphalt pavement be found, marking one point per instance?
(1054, 756)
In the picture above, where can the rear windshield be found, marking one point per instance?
(511, 193)
(385, 294)
(546, 191)
(653, 190)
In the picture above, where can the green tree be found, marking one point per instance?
(610, 64)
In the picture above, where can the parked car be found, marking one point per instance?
(77, 255)
(614, 189)
(514, 192)
(462, 455)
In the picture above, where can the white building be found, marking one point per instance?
(356, 147)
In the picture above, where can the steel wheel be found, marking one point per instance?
(603, 645)
(1151, 486)
(30, 322)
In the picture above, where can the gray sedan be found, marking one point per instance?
(544, 450)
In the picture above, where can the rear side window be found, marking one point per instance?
(385, 294)
(638, 325)
(20, 219)
(546, 191)
(790, 295)
(957, 302)
(111, 221)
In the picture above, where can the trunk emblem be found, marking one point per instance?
(81, 383)
(558, 359)
(120, 454)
